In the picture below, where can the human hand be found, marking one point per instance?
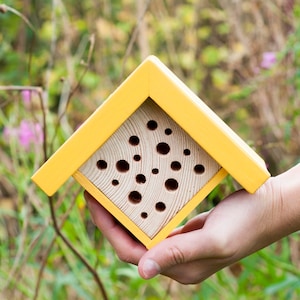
(238, 226)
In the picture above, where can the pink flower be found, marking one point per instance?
(26, 96)
(27, 134)
(268, 60)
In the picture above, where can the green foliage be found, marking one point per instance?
(77, 53)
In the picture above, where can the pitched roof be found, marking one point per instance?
(153, 79)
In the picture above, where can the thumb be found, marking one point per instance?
(175, 250)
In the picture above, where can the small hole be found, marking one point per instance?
(163, 148)
(171, 184)
(140, 178)
(175, 165)
(137, 157)
(101, 164)
(144, 215)
(115, 182)
(160, 206)
(187, 152)
(168, 131)
(152, 125)
(134, 140)
(199, 169)
(122, 166)
(155, 171)
(135, 197)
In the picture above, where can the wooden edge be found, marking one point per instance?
(131, 226)
(206, 128)
(111, 207)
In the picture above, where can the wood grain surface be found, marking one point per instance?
(149, 168)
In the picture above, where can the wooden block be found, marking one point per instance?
(150, 168)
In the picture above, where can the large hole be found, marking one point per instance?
(140, 178)
(135, 197)
(101, 164)
(122, 165)
(152, 125)
(199, 169)
(171, 184)
(160, 206)
(175, 165)
(134, 140)
(163, 148)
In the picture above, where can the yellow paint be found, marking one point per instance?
(111, 207)
(131, 226)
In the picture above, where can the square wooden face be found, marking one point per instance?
(149, 168)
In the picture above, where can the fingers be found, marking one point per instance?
(195, 223)
(176, 251)
(189, 255)
(127, 248)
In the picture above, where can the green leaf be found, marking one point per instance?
(212, 55)
(288, 282)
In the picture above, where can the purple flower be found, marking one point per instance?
(27, 134)
(268, 60)
(26, 96)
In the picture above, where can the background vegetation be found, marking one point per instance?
(60, 59)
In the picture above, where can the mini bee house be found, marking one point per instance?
(151, 153)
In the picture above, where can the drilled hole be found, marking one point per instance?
(171, 184)
(175, 165)
(155, 171)
(199, 169)
(101, 164)
(144, 215)
(168, 131)
(187, 152)
(115, 182)
(135, 197)
(152, 125)
(140, 178)
(134, 140)
(160, 206)
(163, 148)
(122, 166)
(137, 157)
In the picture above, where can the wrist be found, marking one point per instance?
(288, 197)
(275, 210)
(283, 200)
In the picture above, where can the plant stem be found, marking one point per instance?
(75, 252)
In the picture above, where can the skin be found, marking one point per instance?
(240, 225)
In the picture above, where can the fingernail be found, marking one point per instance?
(150, 268)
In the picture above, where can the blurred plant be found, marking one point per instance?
(242, 57)
(27, 133)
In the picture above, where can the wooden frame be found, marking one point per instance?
(153, 79)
